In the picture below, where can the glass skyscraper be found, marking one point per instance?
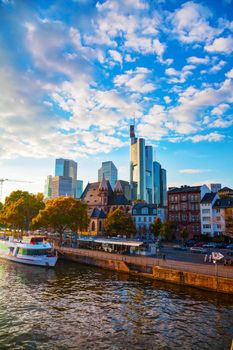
(67, 168)
(147, 179)
(110, 172)
(48, 187)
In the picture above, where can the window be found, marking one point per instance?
(218, 218)
(217, 210)
(206, 218)
(139, 219)
(135, 211)
(183, 197)
(145, 211)
(206, 226)
(155, 211)
(145, 218)
(183, 207)
(150, 219)
(184, 217)
(205, 211)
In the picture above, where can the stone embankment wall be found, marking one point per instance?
(211, 277)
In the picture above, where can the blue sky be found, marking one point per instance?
(73, 74)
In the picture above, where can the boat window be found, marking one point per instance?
(33, 252)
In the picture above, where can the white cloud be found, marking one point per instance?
(116, 56)
(220, 109)
(190, 23)
(167, 99)
(171, 72)
(212, 137)
(191, 171)
(230, 74)
(222, 45)
(198, 60)
(135, 80)
(217, 67)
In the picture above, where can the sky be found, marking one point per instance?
(75, 73)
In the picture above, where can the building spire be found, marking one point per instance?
(118, 188)
(103, 184)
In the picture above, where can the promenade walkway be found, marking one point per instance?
(205, 269)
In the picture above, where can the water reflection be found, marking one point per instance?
(79, 307)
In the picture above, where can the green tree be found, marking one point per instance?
(61, 214)
(20, 208)
(184, 234)
(166, 229)
(155, 228)
(119, 223)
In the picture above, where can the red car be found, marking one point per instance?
(198, 245)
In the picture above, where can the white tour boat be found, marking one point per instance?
(32, 250)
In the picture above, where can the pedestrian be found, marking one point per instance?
(206, 258)
(210, 258)
(164, 257)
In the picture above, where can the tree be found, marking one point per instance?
(166, 229)
(118, 223)
(20, 208)
(155, 228)
(61, 214)
(184, 233)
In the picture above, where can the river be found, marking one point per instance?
(82, 307)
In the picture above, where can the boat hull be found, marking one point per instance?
(46, 262)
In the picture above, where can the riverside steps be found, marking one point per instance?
(212, 277)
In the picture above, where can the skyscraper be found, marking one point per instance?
(62, 186)
(163, 187)
(141, 169)
(157, 183)
(48, 187)
(109, 170)
(79, 189)
(67, 168)
(147, 180)
(160, 185)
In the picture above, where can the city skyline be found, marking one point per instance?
(73, 95)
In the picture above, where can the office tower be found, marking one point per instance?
(126, 189)
(215, 187)
(137, 167)
(163, 187)
(149, 175)
(62, 186)
(109, 170)
(79, 189)
(157, 183)
(48, 187)
(67, 168)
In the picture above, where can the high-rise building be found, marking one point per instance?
(149, 174)
(79, 189)
(109, 171)
(48, 187)
(126, 189)
(147, 179)
(137, 166)
(157, 183)
(67, 168)
(62, 186)
(215, 187)
(163, 188)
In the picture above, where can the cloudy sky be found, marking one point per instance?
(73, 74)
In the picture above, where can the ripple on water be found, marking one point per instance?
(79, 307)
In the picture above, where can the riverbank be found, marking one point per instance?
(216, 278)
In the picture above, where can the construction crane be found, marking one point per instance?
(10, 180)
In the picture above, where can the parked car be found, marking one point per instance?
(199, 250)
(221, 245)
(198, 244)
(180, 247)
(230, 246)
(210, 245)
(190, 243)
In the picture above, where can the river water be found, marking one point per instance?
(81, 307)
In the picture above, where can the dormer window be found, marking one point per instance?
(145, 211)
